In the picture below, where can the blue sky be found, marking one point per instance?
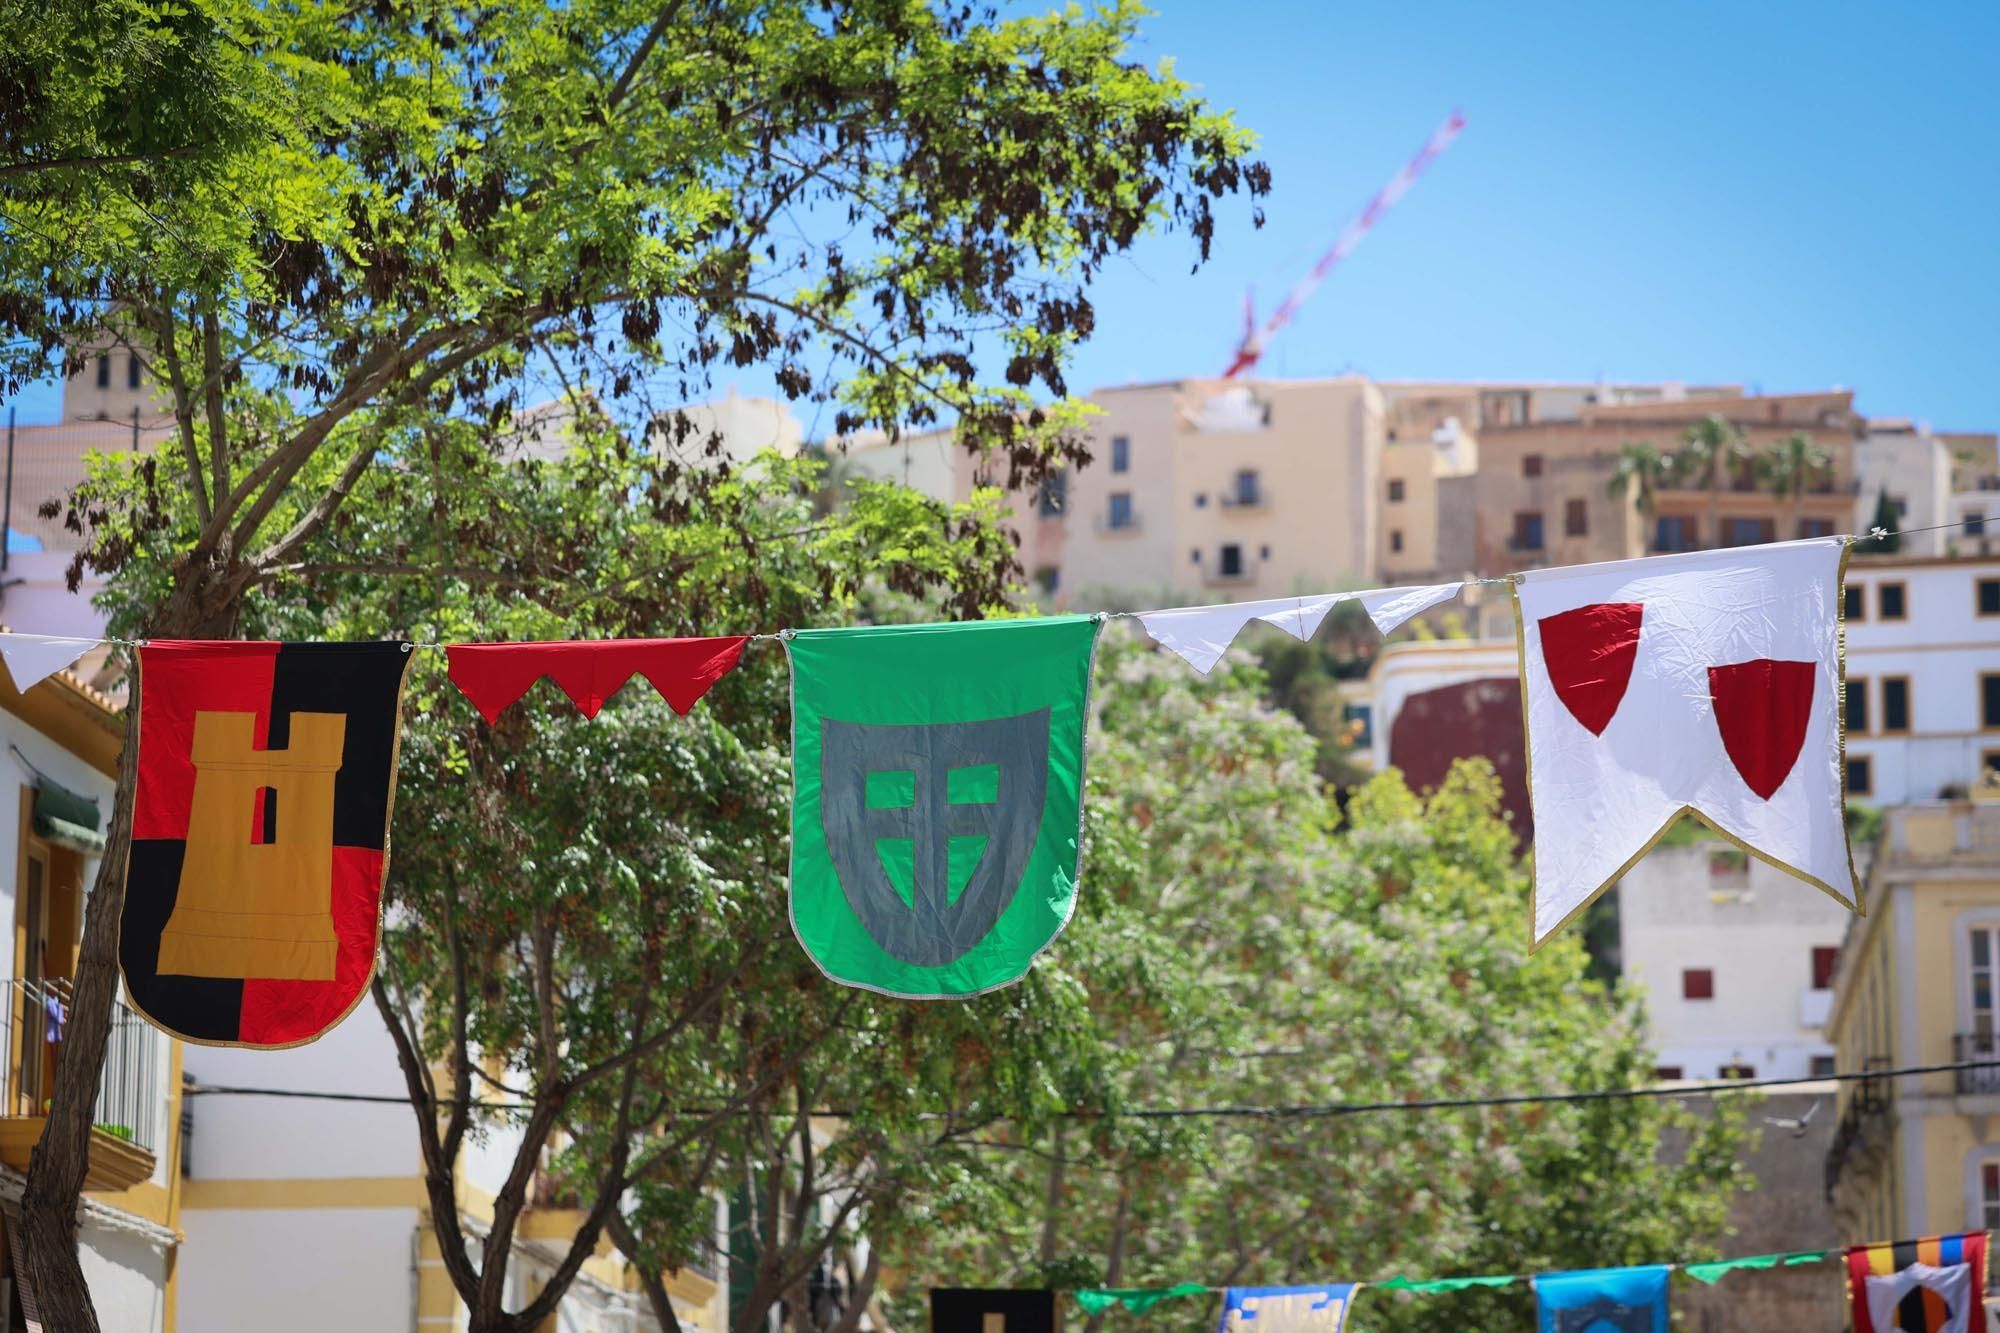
(1785, 195)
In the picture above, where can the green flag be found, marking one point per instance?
(937, 782)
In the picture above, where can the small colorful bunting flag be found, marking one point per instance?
(997, 1310)
(1712, 1273)
(260, 835)
(1096, 1300)
(1604, 1300)
(33, 658)
(1933, 1285)
(494, 675)
(1708, 684)
(937, 775)
(1316, 1309)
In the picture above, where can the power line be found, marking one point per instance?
(1323, 1110)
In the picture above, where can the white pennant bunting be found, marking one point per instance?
(32, 658)
(1390, 607)
(1201, 634)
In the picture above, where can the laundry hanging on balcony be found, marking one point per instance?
(1707, 684)
(259, 835)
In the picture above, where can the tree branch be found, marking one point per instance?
(163, 330)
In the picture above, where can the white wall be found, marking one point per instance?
(331, 1270)
(1915, 467)
(1942, 645)
(1756, 930)
(127, 1275)
(261, 1138)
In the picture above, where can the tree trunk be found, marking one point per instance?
(62, 1156)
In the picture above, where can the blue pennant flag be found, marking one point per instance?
(1604, 1300)
(1316, 1309)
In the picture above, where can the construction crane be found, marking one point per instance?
(1256, 339)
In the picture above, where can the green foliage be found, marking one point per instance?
(1793, 465)
(1238, 948)
(1888, 520)
(1640, 471)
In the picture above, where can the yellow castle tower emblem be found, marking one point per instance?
(258, 909)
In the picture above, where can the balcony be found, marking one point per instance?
(1967, 1047)
(1858, 1123)
(124, 1132)
(1126, 525)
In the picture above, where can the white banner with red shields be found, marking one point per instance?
(1708, 683)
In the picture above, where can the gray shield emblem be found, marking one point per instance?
(911, 769)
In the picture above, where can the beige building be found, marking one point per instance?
(1919, 1154)
(1211, 490)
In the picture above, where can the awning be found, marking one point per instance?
(67, 818)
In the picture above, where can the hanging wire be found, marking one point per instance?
(1315, 1111)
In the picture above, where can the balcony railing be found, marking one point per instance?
(128, 1091)
(1865, 1104)
(1970, 1046)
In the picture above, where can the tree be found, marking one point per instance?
(1711, 451)
(1640, 472)
(1887, 519)
(1790, 468)
(442, 216)
(1240, 949)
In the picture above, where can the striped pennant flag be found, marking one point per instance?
(1933, 1285)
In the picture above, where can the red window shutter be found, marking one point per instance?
(1698, 983)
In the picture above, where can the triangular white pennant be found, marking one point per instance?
(1201, 634)
(32, 658)
(1706, 683)
(1390, 607)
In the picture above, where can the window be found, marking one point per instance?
(1857, 705)
(264, 816)
(1395, 540)
(1737, 1071)
(1666, 1073)
(1823, 1067)
(1121, 453)
(1247, 490)
(103, 372)
(1531, 465)
(1975, 523)
(1121, 509)
(1049, 577)
(1697, 983)
(1901, 505)
(1856, 605)
(1989, 1194)
(132, 371)
(1985, 949)
(1528, 532)
(1989, 761)
(1746, 531)
(1815, 527)
(1989, 597)
(1860, 776)
(1896, 703)
(1054, 495)
(1231, 562)
(1989, 700)
(1824, 959)
(1576, 519)
(1195, 555)
(1263, 553)
(1395, 492)
(1673, 532)
(1201, 499)
(1889, 601)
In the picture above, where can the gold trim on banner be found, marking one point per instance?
(1854, 904)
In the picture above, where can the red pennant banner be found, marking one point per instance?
(494, 675)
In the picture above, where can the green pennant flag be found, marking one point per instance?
(1712, 1273)
(1096, 1300)
(937, 781)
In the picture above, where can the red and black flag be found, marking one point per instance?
(260, 835)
